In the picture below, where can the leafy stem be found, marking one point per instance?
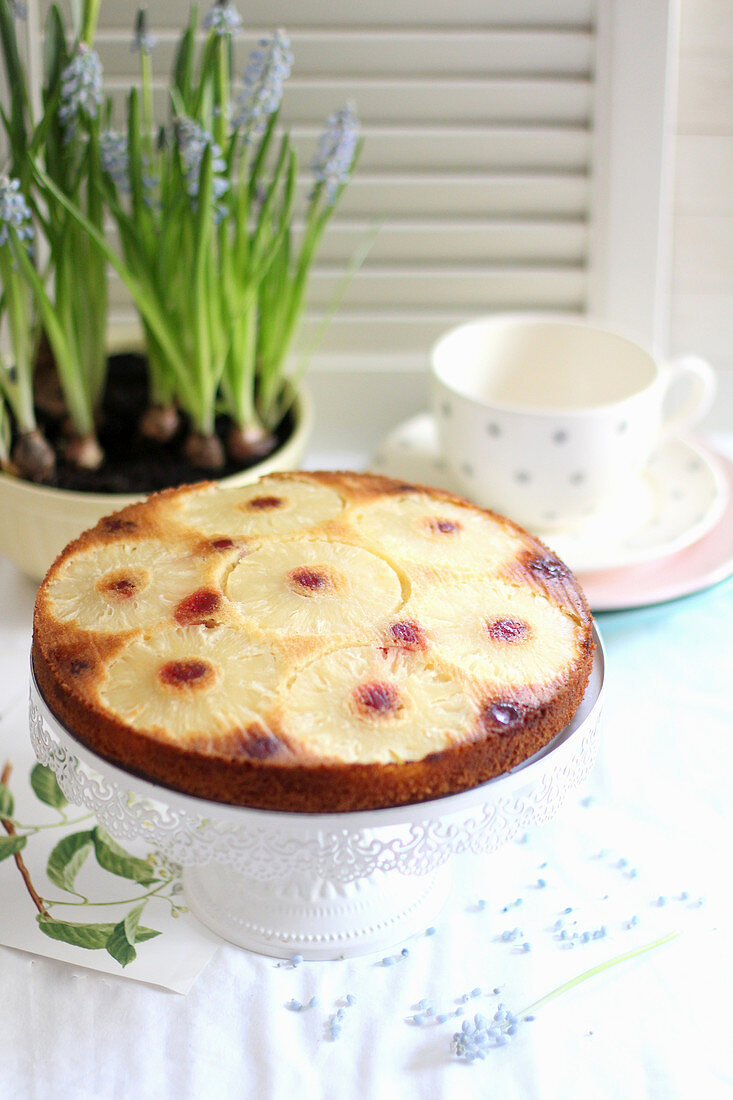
(20, 864)
(125, 901)
(156, 878)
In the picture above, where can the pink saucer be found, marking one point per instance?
(705, 563)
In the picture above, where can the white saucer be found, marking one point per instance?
(679, 499)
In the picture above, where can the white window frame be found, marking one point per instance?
(631, 214)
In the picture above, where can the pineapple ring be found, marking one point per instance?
(283, 506)
(496, 631)
(314, 587)
(419, 528)
(191, 683)
(370, 705)
(119, 586)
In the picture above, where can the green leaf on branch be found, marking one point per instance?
(9, 845)
(90, 936)
(6, 802)
(67, 858)
(45, 787)
(143, 934)
(127, 933)
(119, 862)
(119, 947)
(131, 921)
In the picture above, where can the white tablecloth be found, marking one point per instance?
(648, 837)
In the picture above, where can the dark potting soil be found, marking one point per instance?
(134, 464)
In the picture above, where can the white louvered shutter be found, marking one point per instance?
(478, 119)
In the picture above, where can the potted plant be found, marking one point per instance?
(203, 206)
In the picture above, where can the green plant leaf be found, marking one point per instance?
(90, 936)
(6, 802)
(118, 861)
(67, 858)
(119, 947)
(131, 921)
(9, 845)
(45, 787)
(143, 934)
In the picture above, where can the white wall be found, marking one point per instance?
(702, 267)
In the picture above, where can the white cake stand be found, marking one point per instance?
(324, 886)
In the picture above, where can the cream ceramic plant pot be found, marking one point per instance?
(36, 522)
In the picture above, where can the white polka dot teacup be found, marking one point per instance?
(548, 420)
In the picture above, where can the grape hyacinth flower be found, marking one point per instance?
(14, 211)
(192, 142)
(115, 158)
(142, 40)
(81, 87)
(222, 18)
(336, 148)
(268, 67)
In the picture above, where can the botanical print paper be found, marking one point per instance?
(70, 892)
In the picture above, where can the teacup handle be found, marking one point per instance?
(694, 374)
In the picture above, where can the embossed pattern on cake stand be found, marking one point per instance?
(323, 886)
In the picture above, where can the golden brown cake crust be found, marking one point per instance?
(267, 763)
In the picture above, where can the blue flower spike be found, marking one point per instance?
(335, 153)
(267, 69)
(81, 88)
(223, 18)
(14, 211)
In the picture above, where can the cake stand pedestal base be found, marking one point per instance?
(280, 919)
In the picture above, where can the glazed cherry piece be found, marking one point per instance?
(503, 718)
(507, 630)
(119, 588)
(377, 699)
(197, 608)
(187, 672)
(115, 524)
(222, 544)
(308, 581)
(549, 567)
(265, 504)
(258, 743)
(408, 635)
(438, 526)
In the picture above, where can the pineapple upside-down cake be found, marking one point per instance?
(313, 642)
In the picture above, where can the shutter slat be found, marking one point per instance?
(354, 54)
(431, 148)
(377, 13)
(412, 101)
(383, 197)
(423, 288)
(460, 242)
(449, 243)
